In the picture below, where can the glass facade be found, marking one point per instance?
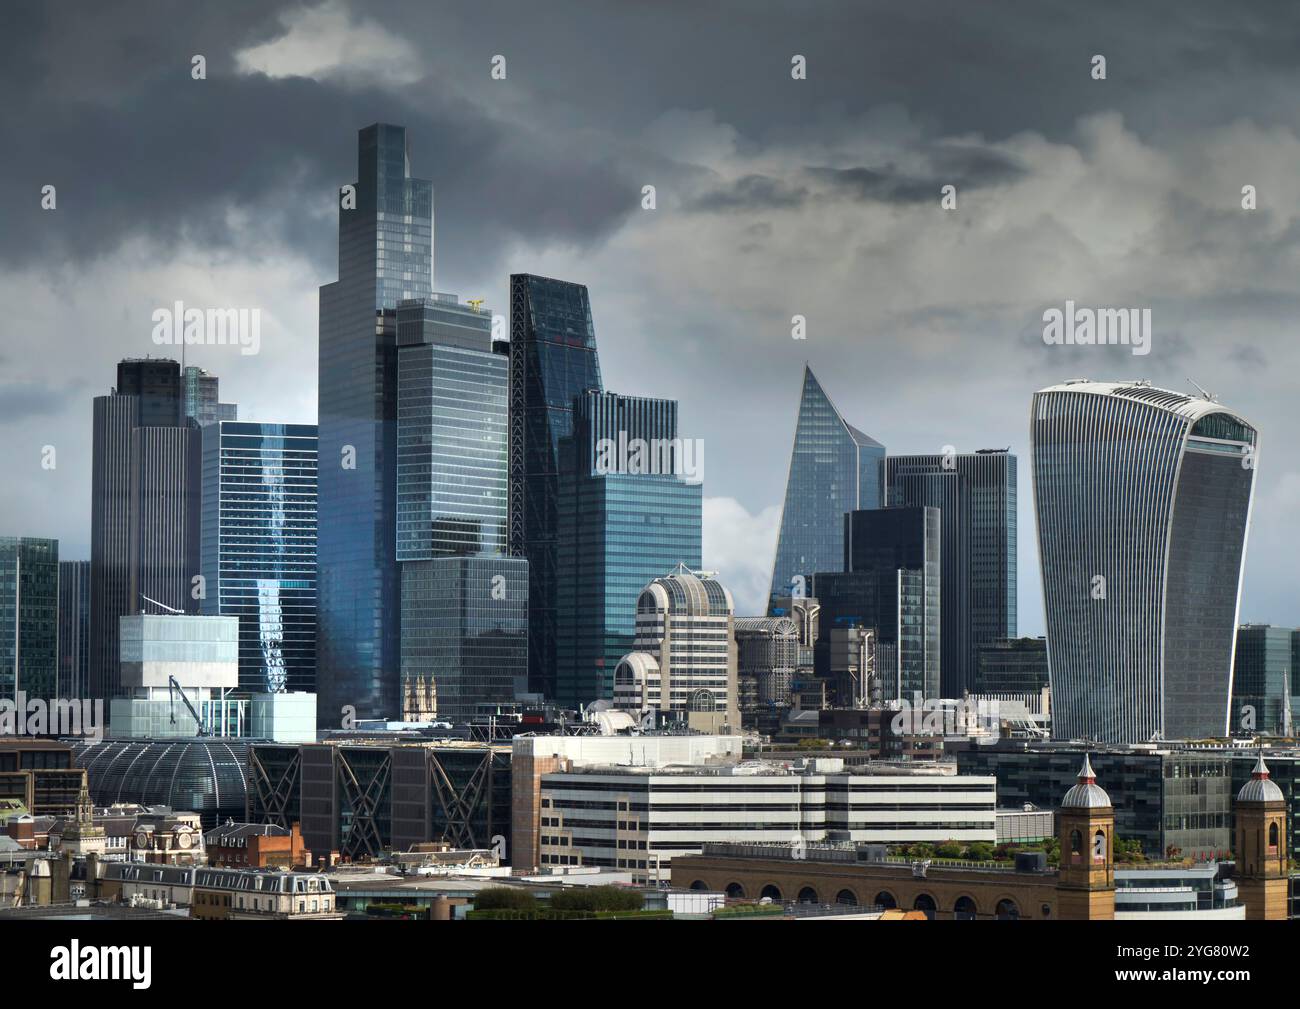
(29, 617)
(385, 257)
(1142, 500)
(617, 531)
(74, 628)
(464, 635)
(1261, 680)
(1015, 666)
(976, 497)
(259, 547)
(552, 360)
(834, 469)
(202, 398)
(451, 432)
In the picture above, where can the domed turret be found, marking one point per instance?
(1260, 787)
(1087, 794)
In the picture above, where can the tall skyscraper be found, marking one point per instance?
(834, 469)
(891, 582)
(29, 617)
(624, 519)
(145, 497)
(976, 497)
(258, 552)
(552, 360)
(74, 628)
(464, 637)
(1143, 501)
(385, 256)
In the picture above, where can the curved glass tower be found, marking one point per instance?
(1143, 501)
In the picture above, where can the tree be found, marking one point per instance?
(980, 851)
(949, 849)
(497, 898)
(598, 898)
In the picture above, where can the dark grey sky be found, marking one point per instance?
(775, 197)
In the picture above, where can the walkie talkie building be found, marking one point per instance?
(1143, 501)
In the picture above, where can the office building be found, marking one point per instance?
(29, 617)
(41, 775)
(74, 628)
(1014, 666)
(684, 660)
(464, 635)
(145, 505)
(834, 468)
(1261, 681)
(1143, 500)
(767, 655)
(202, 404)
(552, 360)
(668, 812)
(364, 796)
(627, 514)
(258, 547)
(976, 497)
(385, 257)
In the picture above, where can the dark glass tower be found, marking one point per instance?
(145, 503)
(1143, 500)
(834, 469)
(1261, 680)
(622, 524)
(552, 360)
(385, 256)
(976, 497)
(29, 618)
(258, 552)
(74, 628)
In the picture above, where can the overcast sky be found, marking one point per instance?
(775, 197)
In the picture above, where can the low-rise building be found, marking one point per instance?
(256, 846)
(235, 894)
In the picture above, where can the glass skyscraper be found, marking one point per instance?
(976, 497)
(259, 547)
(834, 469)
(29, 617)
(202, 398)
(552, 360)
(1261, 681)
(385, 256)
(622, 523)
(74, 628)
(464, 638)
(1143, 500)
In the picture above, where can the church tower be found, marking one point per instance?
(1263, 865)
(1085, 826)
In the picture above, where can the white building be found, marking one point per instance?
(684, 653)
(639, 818)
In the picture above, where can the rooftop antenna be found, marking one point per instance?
(1205, 395)
(164, 606)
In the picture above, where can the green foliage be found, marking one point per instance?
(921, 850)
(497, 898)
(979, 851)
(597, 898)
(949, 849)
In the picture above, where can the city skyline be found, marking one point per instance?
(1082, 190)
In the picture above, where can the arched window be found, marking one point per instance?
(1007, 910)
(699, 884)
(1099, 846)
(924, 902)
(771, 891)
(735, 891)
(964, 909)
(1272, 835)
(808, 896)
(846, 897)
(1076, 846)
(885, 899)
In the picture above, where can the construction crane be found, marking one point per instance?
(475, 303)
(172, 688)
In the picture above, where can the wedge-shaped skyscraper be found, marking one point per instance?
(834, 469)
(1143, 501)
